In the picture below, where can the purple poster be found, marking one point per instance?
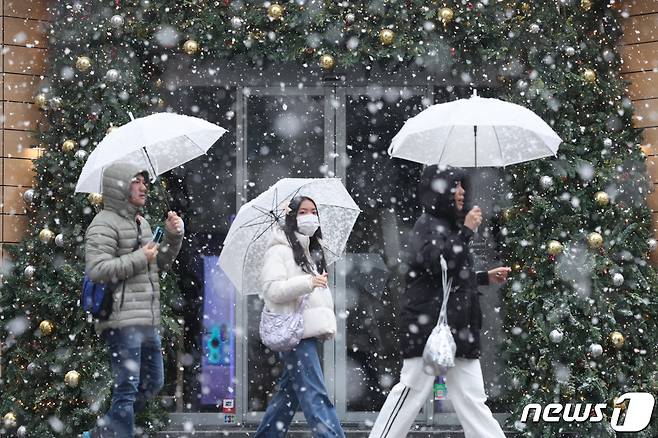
(218, 362)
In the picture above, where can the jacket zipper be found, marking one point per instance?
(148, 273)
(148, 268)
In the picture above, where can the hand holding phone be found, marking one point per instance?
(158, 235)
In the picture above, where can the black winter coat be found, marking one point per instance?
(439, 231)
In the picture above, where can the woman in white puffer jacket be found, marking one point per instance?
(295, 268)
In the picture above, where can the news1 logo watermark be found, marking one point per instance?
(637, 418)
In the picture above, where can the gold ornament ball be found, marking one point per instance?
(83, 63)
(10, 419)
(95, 198)
(525, 7)
(72, 378)
(47, 327)
(617, 339)
(68, 146)
(386, 37)
(602, 199)
(594, 240)
(191, 47)
(446, 15)
(554, 247)
(275, 11)
(617, 5)
(41, 100)
(516, 267)
(327, 62)
(586, 5)
(46, 236)
(589, 75)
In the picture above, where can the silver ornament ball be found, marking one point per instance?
(21, 431)
(116, 21)
(534, 28)
(29, 271)
(556, 336)
(570, 51)
(59, 240)
(80, 154)
(652, 244)
(618, 279)
(236, 22)
(28, 196)
(607, 142)
(56, 102)
(546, 182)
(595, 350)
(112, 75)
(522, 85)
(350, 18)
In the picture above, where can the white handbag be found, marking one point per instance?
(440, 348)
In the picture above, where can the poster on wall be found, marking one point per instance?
(218, 343)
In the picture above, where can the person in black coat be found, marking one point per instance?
(442, 229)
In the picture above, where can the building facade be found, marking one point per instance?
(326, 128)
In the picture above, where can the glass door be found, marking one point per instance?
(284, 133)
(370, 275)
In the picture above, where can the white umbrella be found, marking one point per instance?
(159, 142)
(247, 239)
(475, 132)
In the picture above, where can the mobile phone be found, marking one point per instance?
(158, 234)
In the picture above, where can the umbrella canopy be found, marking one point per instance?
(158, 142)
(475, 132)
(249, 236)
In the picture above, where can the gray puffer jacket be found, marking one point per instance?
(111, 257)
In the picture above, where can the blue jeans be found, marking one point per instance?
(301, 382)
(137, 373)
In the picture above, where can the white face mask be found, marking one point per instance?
(308, 224)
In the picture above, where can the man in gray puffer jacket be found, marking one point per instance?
(120, 253)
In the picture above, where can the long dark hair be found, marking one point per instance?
(290, 227)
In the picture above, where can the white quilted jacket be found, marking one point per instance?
(284, 283)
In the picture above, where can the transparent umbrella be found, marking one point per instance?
(246, 242)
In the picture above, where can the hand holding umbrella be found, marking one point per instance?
(473, 218)
(320, 280)
(174, 224)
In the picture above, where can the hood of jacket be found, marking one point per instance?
(437, 191)
(116, 187)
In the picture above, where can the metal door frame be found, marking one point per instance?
(242, 178)
(361, 417)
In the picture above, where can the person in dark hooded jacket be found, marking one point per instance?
(441, 230)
